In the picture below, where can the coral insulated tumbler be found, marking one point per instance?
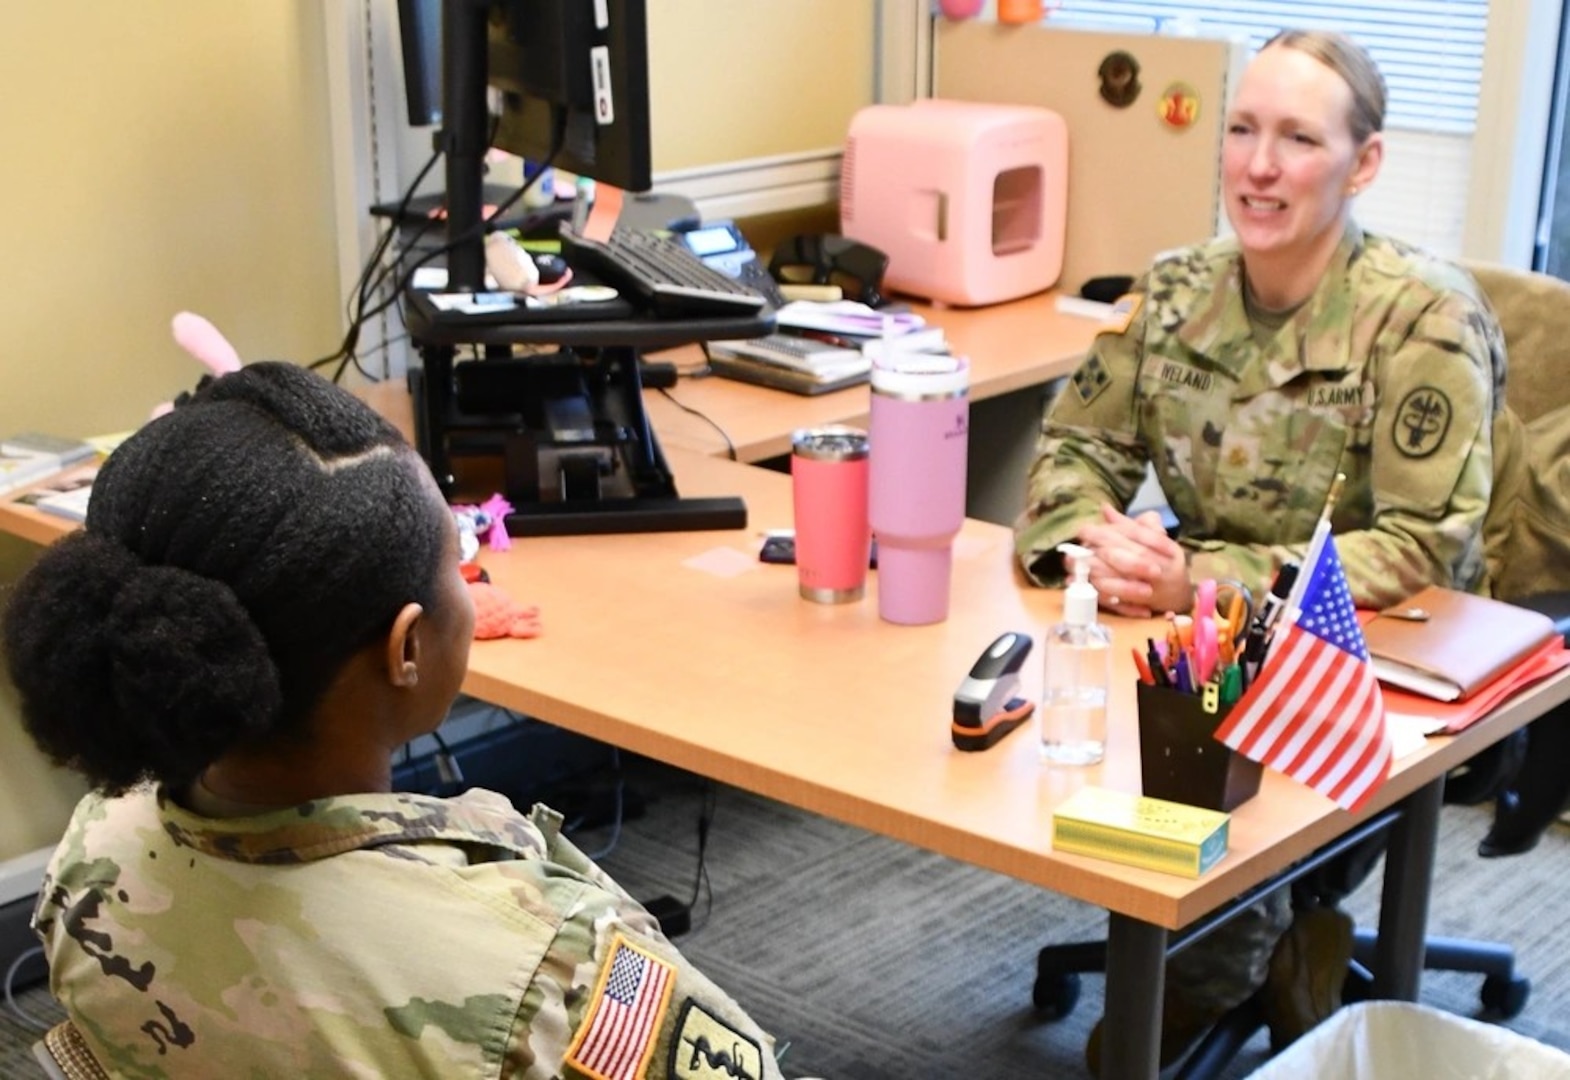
(828, 469)
(920, 433)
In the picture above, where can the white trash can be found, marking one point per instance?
(1396, 1040)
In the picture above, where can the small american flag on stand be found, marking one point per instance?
(615, 1041)
(1315, 712)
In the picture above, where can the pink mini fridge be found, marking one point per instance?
(968, 200)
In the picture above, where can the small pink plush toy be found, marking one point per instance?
(488, 520)
(202, 340)
(497, 615)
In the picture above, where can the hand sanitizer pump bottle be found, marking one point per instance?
(1078, 671)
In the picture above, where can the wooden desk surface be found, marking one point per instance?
(1011, 346)
(683, 647)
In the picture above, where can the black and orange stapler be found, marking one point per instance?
(986, 707)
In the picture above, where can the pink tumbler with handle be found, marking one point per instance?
(920, 436)
(828, 468)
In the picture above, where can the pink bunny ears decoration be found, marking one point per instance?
(202, 340)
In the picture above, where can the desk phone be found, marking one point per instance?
(721, 245)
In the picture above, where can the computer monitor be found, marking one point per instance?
(573, 77)
(576, 70)
(420, 43)
(576, 450)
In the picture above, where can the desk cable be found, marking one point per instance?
(730, 447)
(386, 344)
(373, 276)
(701, 885)
(27, 1018)
(377, 273)
(617, 813)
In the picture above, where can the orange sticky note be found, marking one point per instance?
(607, 208)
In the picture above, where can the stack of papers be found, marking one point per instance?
(847, 318)
(66, 496)
(29, 457)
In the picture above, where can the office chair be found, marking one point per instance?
(1528, 541)
(64, 1056)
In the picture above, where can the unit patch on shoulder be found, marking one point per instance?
(1124, 308)
(1422, 420)
(707, 1048)
(618, 1032)
(1091, 379)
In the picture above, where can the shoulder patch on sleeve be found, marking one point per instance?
(707, 1048)
(630, 999)
(1422, 421)
(1090, 379)
(1124, 308)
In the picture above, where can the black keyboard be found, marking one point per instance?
(662, 274)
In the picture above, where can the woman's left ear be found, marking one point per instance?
(403, 647)
(1369, 157)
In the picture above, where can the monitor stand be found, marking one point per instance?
(563, 435)
(560, 430)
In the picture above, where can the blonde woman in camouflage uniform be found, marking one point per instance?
(265, 603)
(1248, 372)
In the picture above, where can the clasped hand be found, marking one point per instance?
(1137, 569)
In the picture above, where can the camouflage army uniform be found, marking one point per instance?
(384, 935)
(1391, 373)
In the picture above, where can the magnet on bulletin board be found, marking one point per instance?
(961, 9)
(1119, 75)
(1021, 11)
(1179, 106)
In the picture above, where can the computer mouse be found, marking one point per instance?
(552, 267)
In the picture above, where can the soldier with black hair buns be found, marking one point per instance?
(263, 605)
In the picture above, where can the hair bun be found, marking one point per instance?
(128, 671)
(182, 645)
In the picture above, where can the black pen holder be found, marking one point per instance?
(1180, 759)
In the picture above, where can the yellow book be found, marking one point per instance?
(1152, 833)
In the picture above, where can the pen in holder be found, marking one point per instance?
(1179, 757)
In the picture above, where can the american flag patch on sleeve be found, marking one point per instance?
(624, 1015)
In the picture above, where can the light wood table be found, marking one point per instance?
(682, 647)
(1010, 346)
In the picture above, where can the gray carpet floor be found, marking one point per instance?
(872, 960)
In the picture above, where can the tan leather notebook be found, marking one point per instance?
(1447, 644)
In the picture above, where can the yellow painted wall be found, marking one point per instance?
(174, 154)
(755, 78)
(159, 155)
